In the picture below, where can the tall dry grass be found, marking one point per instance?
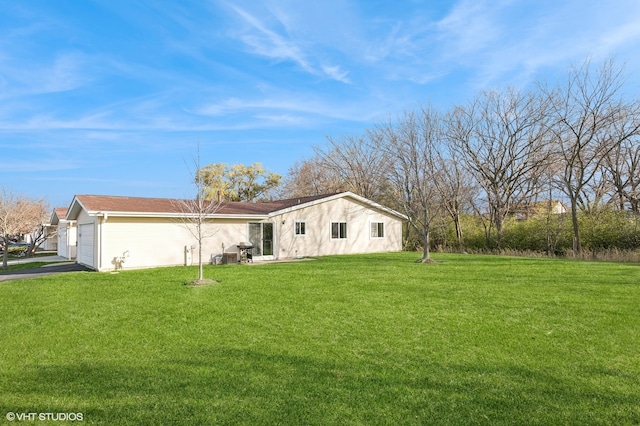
(602, 255)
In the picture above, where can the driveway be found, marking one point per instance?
(56, 268)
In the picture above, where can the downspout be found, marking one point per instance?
(104, 217)
(67, 243)
(277, 229)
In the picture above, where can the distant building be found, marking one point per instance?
(540, 208)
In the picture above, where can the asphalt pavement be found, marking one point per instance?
(55, 268)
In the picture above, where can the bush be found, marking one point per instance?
(601, 231)
(607, 229)
(17, 251)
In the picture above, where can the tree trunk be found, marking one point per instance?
(487, 226)
(200, 273)
(577, 245)
(498, 223)
(5, 254)
(31, 249)
(458, 225)
(407, 233)
(426, 241)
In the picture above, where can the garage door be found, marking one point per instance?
(85, 244)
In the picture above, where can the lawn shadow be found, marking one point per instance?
(225, 385)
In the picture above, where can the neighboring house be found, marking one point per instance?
(541, 208)
(66, 233)
(44, 237)
(149, 232)
(51, 241)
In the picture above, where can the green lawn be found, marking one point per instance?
(373, 339)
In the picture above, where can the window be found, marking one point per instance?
(377, 230)
(301, 229)
(338, 230)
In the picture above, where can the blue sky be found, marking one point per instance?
(112, 97)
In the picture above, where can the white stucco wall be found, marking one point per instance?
(317, 240)
(153, 242)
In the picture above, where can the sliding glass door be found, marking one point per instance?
(261, 238)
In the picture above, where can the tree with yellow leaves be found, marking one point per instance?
(238, 182)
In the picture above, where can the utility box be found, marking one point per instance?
(228, 258)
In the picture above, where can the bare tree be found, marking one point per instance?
(588, 124)
(597, 193)
(39, 235)
(410, 146)
(501, 137)
(197, 214)
(454, 184)
(310, 177)
(357, 163)
(19, 215)
(622, 165)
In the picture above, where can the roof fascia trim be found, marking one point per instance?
(346, 194)
(175, 215)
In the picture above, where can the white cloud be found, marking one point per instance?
(269, 37)
(267, 42)
(471, 26)
(336, 73)
(620, 36)
(63, 72)
(282, 120)
(282, 105)
(508, 42)
(67, 72)
(38, 164)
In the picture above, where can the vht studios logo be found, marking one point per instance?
(56, 417)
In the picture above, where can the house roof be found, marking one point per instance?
(58, 214)
(140, 206)
(117, 204)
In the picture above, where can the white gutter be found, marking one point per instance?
(105, 215)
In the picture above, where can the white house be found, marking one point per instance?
(149, 232)
(49, 231)
(66, 233)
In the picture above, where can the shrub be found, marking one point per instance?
(608, 229)
(18, 251)
(603, 230)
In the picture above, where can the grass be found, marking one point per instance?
(372, 339)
